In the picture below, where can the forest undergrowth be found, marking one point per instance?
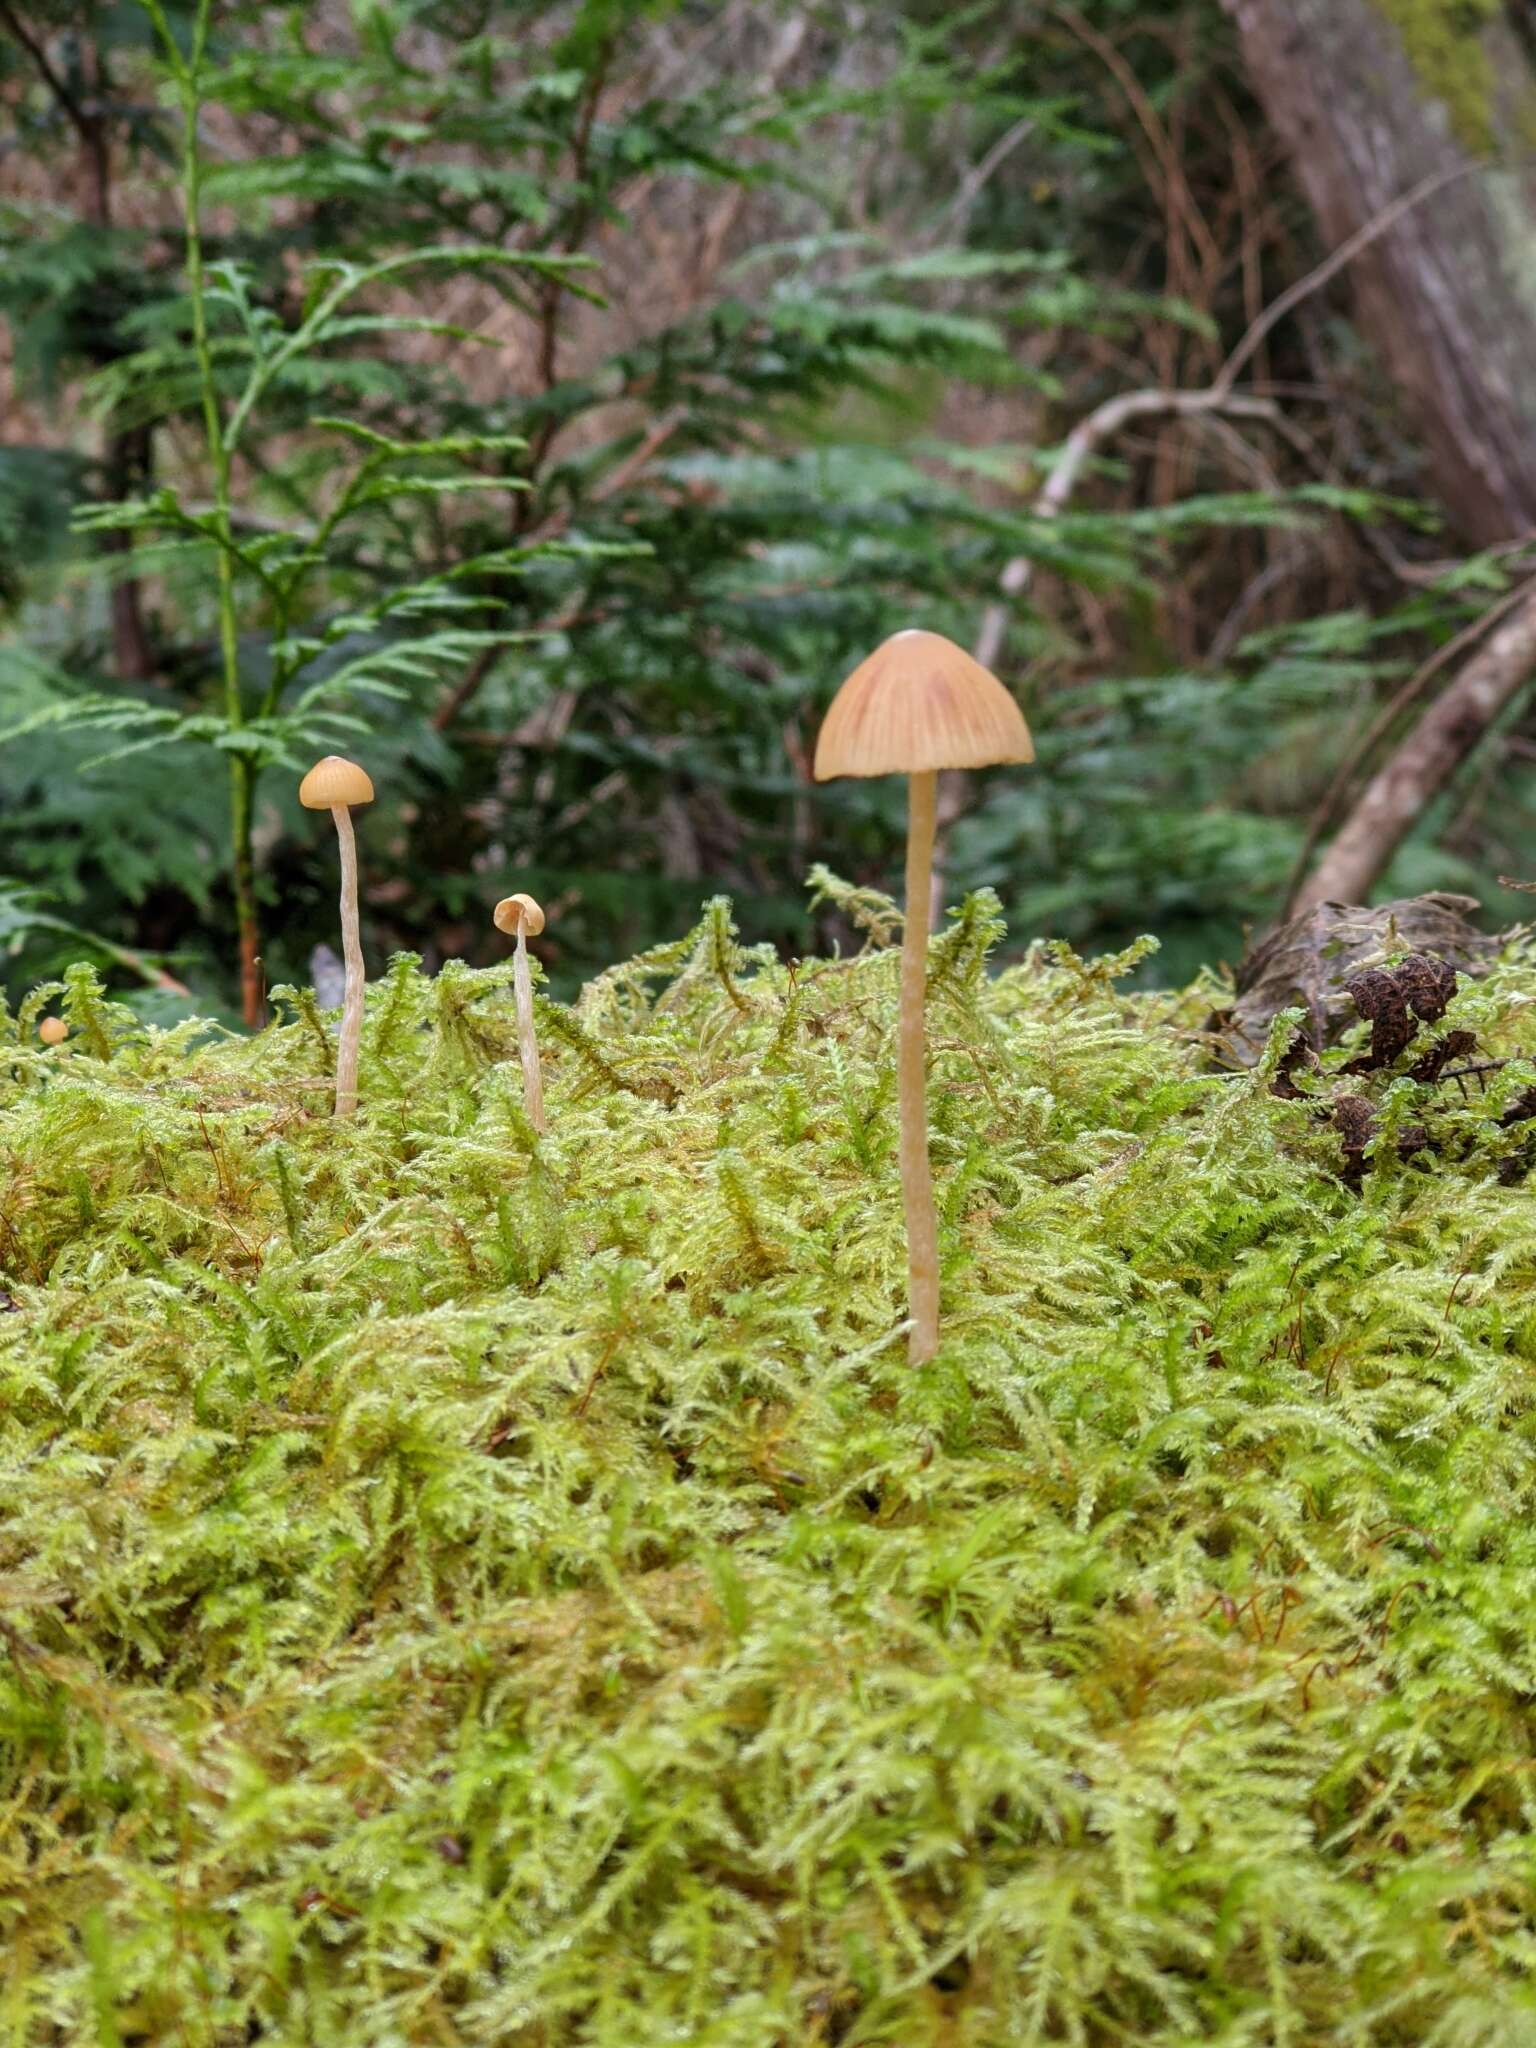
(463, 1587)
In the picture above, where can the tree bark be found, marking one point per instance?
(1395, 798)
(1370, 109)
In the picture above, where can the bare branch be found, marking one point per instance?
(1330, 267)
(79, 118)
(972, 184)
(1418, 770)
(1107, 419)
(1084, 441)
(1387, 717)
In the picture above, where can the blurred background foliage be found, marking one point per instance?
(735, 335)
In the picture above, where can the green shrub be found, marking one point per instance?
(463, 1588)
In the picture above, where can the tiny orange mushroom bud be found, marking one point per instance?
(522, 917)
(53, 1031)
(333, 785)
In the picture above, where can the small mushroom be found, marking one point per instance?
(918, 704)
(522, 917)
(333, 785)
(53, 1031)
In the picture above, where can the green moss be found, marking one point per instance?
(1443, 41)
(463, 1587)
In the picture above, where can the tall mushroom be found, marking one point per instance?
(334, 785)
(521, 916)
(918, 704)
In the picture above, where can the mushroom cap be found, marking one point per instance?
(513, 911)
(334, 781)
(919, 702)
(53, 1031)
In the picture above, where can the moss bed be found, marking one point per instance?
(463, 1588)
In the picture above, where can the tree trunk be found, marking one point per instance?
(1374, 98)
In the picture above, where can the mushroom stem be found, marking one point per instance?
(352, 957)
(527, 1044)
(916, 1173)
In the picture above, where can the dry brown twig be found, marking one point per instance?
(1383, 723)
(1415, 773)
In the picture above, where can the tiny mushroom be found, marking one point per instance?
(53, 1031)
(919, 704)
(333, 785)
(522, 917)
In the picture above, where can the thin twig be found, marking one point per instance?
(80, 120)
(554, 289)
(1253, 595)
(976, 178)
(1330, 267)
(1146, 115)
(1383, 723)
(1102, 424)
(1107, 419)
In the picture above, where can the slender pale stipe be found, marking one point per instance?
(527, 1044)
(334, 785)
(911, 1078)
(352, 959)
(520, 916)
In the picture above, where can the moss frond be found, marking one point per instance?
(462, 1585)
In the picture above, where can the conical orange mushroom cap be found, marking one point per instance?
(332, 781)
(919, 702)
